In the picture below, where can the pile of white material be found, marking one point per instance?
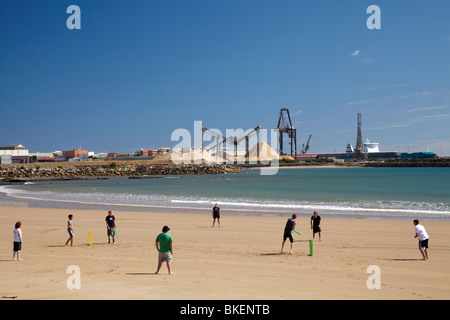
(261, 152)
(195, 156)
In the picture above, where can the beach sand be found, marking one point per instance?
(239, 261)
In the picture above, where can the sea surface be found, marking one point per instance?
(342, 192)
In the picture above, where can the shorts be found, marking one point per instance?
(288, 235)
(165, 257)
(111, 231)
(17, 247)
(216, 215)
(70, 233)
(316, 229)
(423, 244)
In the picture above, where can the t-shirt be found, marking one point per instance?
(110, 219)
(316, 221)
(420, 229)
(70, 224)
(17, 232)
(216, 210)
(289, 226)
(164, 240)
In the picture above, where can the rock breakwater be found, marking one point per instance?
(74, 172)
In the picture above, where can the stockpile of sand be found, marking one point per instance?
(266, 153)
(194, 156)
(162, 159)
(261, 152)
(287, 158)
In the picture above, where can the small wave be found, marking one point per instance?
(393, 208)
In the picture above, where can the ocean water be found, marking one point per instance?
(356, 192)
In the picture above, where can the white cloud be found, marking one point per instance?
(424, 109)
(405, 96)
(356, 55)
(432, 117)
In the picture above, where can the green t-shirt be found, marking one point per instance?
(164, 240)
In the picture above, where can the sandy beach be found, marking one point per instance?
(239, 261)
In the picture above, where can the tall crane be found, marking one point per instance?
(285, 126)
(306, 148)
(359, 149)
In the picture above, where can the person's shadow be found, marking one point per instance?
(141, 273)
(416, 259)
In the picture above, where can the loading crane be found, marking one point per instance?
(220, 139)
(306, 148)
(285, 126)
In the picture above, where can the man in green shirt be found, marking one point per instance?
(164, 245)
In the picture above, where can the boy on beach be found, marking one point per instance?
(315, 225)
(164, 245)
(216, 215)
(110, 227)
(422, 234)
(290, 226)
(17, 244)
(70, 230)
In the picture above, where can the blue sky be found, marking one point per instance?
(138, 70)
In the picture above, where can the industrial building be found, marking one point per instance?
(13, 154)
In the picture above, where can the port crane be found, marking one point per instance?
(285, 126)
(306, 148)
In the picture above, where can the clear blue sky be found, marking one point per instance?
(137, 70)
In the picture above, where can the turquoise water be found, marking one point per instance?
(419, 192)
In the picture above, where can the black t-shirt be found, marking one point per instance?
(289, 225)
(110, 220)
(216, 210)
(316, 221)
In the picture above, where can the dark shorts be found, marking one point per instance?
(423, 244)
(111, 231)
(70, 233)
(17, 247)
(288, 235)
(316, 229)
(216, 215)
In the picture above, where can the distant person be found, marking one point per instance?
(110, 227)
(315, 225)
(164, 245)
(422, 234)
(216, 215)
(290, 226)
(17, 244)
(70, 230)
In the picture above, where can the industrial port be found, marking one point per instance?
(242, 147)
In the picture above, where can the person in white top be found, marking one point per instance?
(17, 244)
(70, 230)
(422, 234)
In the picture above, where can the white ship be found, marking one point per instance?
(371, 147)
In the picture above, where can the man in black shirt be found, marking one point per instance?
(315, 225)
(110, 226)
(216, 215)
